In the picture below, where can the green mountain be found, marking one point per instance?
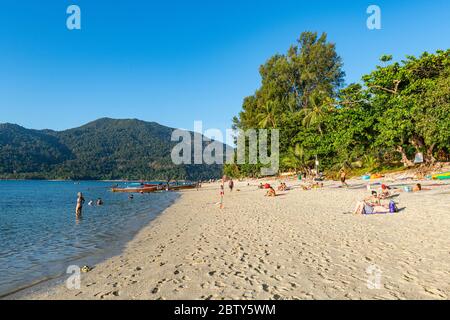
(103, 149)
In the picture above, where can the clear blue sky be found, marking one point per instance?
(179, 61)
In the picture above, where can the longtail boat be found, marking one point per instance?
(135, 190)
(182, 187)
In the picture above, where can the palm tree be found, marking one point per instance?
(296, 158)
(267, 117)
(316, 110)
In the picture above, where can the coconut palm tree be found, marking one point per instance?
(318, 106)
(267, 117)
(296, 159)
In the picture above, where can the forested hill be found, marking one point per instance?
(103, 149)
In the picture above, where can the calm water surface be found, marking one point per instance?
(40, 237)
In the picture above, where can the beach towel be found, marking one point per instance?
(367, 209)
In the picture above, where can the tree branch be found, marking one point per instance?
(393, 91)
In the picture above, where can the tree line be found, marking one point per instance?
(398, 110)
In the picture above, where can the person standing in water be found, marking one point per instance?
(80, 202)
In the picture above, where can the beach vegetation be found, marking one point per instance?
(398, 110)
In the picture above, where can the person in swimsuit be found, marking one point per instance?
(222, 193)
(80, 202)
(343, 178)
(231, 185)
(271, 192)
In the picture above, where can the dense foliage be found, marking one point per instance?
(398, 110)
(103, 149)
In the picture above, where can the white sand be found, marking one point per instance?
(297, 246)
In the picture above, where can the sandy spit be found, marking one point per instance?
(300, 245)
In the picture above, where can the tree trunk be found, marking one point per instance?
(418, 143)
(406, 162)
(429, 156)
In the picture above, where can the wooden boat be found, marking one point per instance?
(182, 187)
(135, 190)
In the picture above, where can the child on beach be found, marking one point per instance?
(222, 193)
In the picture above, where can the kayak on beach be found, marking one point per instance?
(442, 176)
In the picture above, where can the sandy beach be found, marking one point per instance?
(299, 245)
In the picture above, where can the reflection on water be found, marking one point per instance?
(40, 234)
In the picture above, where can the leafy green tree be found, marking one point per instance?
(296, 159)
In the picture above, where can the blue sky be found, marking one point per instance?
(180, 61)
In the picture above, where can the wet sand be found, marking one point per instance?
(299, 245)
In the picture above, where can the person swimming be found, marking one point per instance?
(99, 202)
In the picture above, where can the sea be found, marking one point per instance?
(40, 236)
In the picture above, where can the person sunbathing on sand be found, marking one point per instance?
(418, 187)
(385, 191)
(371, 205)
(271, 192)
(364, 207)
(282, 187)
(373, 200)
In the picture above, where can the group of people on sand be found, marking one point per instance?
(271, 191)
(373, 205)
(222, 190)
(81, 201)
(283, 187)
(311, 186)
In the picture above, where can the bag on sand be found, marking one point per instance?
(393, 207)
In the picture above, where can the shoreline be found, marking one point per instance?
(295, 246)
(91, 259)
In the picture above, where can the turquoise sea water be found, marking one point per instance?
(40, 235)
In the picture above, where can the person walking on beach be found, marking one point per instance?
(80, 202)
(343, 178)
(222, 193)
(231, 185)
